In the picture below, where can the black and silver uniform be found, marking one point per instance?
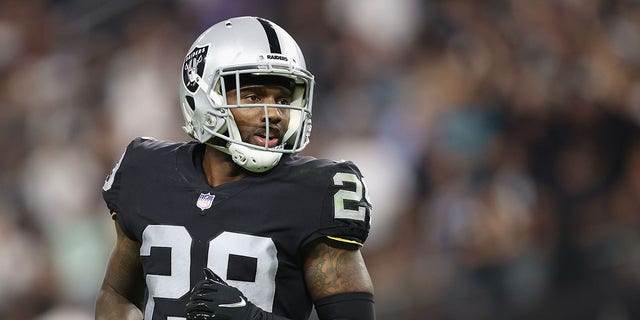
(251, 232)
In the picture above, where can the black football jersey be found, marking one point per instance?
(251, 232)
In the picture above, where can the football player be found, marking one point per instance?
(236, 225)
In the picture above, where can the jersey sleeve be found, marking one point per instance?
(115, 185)
(111, 187)
(346, 209)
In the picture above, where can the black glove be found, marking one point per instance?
(212, 298)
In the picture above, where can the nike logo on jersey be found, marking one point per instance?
(238, 304)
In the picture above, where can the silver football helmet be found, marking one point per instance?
(224, 56)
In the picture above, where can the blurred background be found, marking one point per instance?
(499, 140)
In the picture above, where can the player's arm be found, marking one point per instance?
(122, 292)
(339, 283)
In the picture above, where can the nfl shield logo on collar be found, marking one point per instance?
(205, 200)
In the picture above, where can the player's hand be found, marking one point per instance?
(212, 298)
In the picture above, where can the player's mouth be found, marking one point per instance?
(263, 141)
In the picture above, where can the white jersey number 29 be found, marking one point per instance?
(173, 286)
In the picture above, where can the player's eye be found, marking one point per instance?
(251, 98)
(283, 101)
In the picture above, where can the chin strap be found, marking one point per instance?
(252, 160)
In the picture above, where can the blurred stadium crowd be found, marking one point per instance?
(499, 140)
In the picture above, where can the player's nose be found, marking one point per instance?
(272, 114)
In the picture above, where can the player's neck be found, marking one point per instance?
(219, 168)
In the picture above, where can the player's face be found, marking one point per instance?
(252, 121)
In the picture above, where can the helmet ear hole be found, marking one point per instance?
(190, 102)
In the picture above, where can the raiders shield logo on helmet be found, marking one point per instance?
(193, 67)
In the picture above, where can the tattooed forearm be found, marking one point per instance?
(330, 270)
